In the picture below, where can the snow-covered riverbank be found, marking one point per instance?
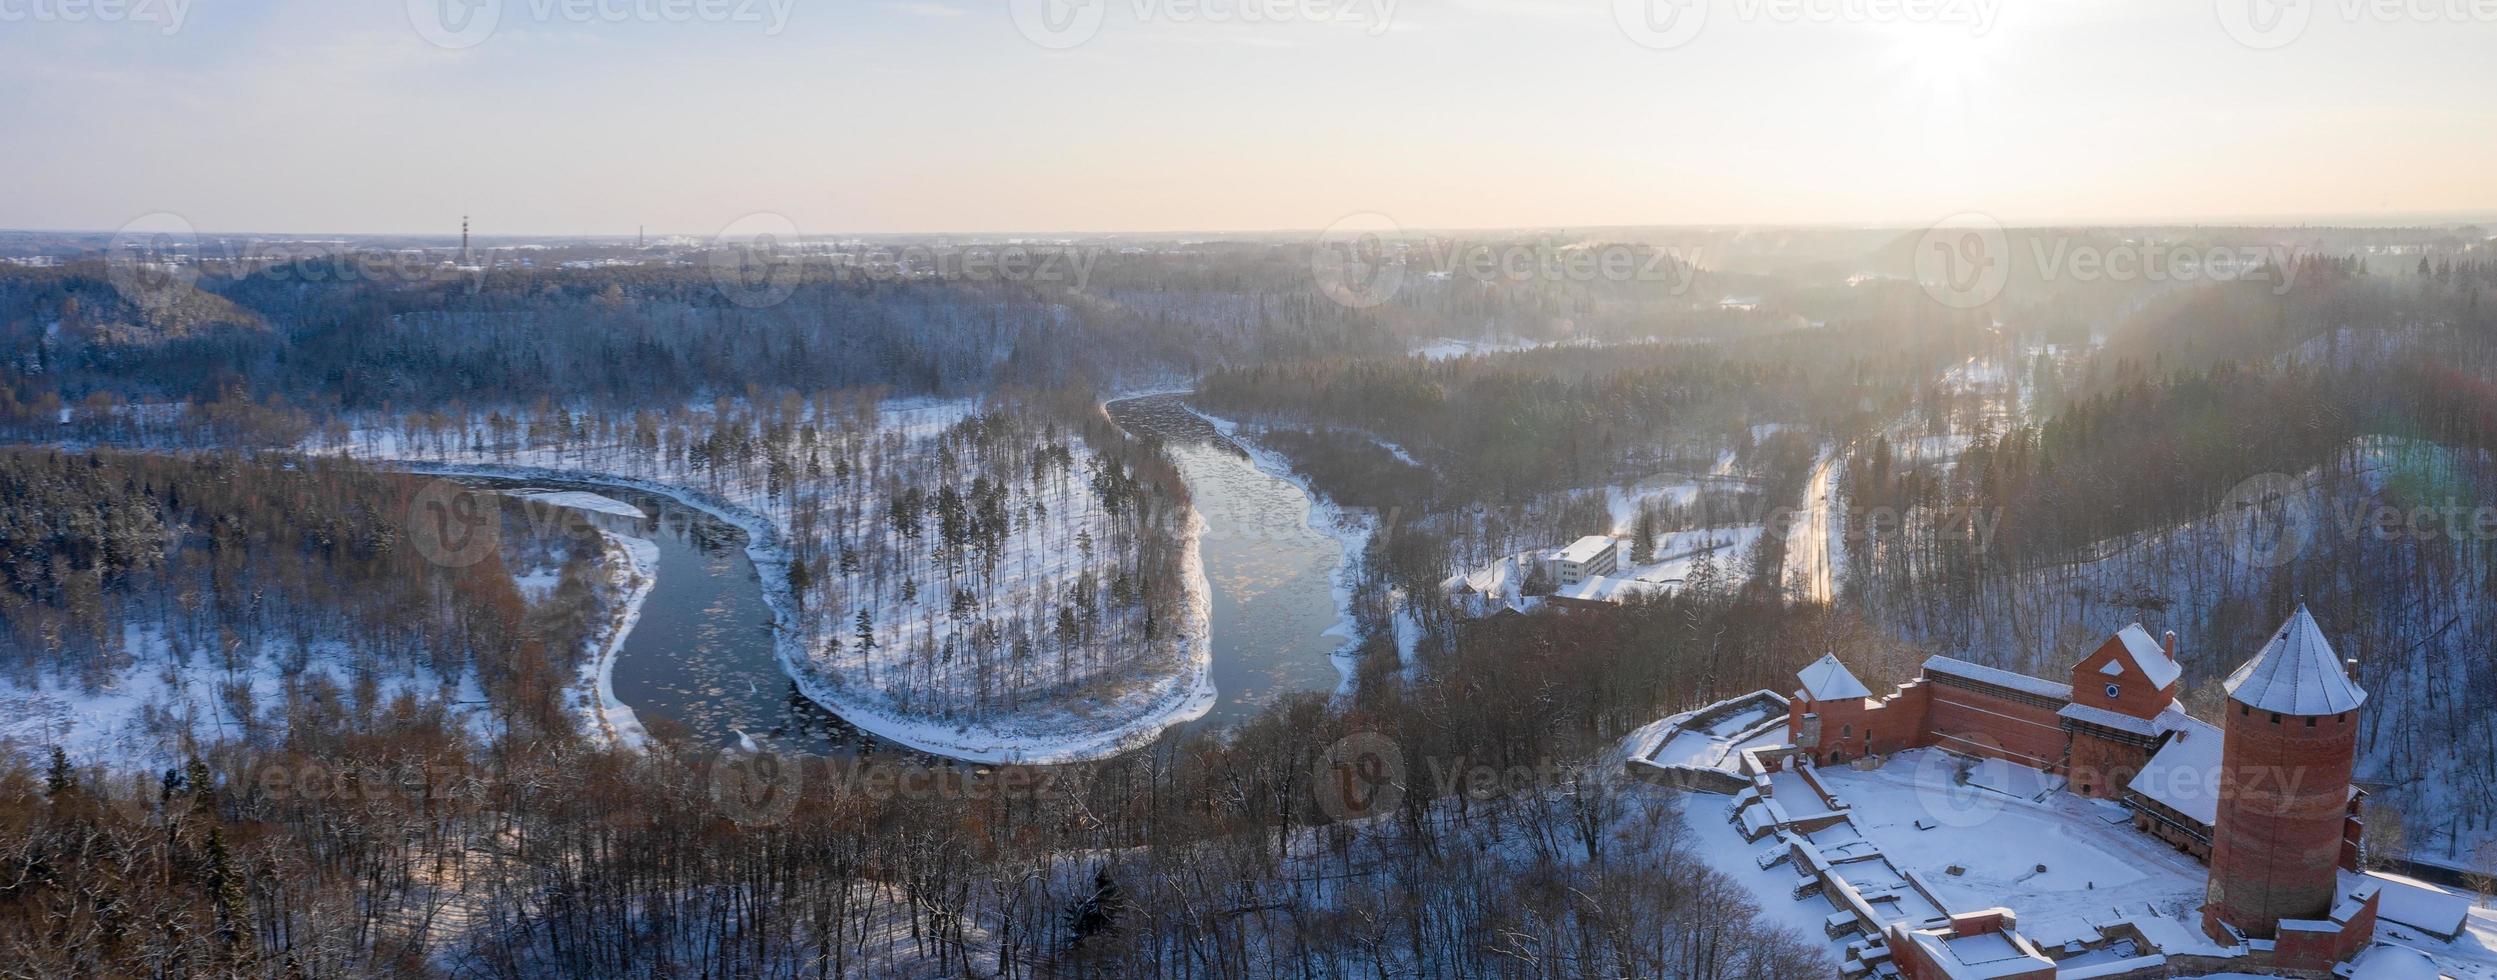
(1063, 733)
(633, 564)
(1350, 529)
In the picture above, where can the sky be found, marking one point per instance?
(551, 117)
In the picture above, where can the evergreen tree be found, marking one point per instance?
(61, 779)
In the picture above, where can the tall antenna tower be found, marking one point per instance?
(464, 239)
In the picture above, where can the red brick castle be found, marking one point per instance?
(2265, 797)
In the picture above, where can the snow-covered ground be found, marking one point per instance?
(1501, 584)
(1626, 500)
(584, 500)
(631, 572)
(1444, 348)
(2097, 867)
(1714, 746)
(143, 715)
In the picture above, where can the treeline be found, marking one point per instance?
(390, 845)
(2220, 384)
(2320, 307)
(625, 335)
(1507, 427)
(116, 560)
(1502, 427)
(2146, 456)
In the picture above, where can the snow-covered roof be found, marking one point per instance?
(2296, 674)
(1828, 680)
(1981, 956)
(1584, 549)
(1998, 677)
(2185, 774)
(2151, 655)
(2420, 905)
(2169, 719)
(2387, 961)
(1609, 588)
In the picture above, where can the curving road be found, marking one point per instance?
(1812, 544)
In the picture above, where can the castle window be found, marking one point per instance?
(2243, 710)
(1846, 731)
(2275, 717)
(2114, 692)
(2310, 723)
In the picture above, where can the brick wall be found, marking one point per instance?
(1972, 719)
(2284, 807)
(2134, 695)
(1856, 727)
(2102, 768)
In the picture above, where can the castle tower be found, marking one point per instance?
(2290, 737)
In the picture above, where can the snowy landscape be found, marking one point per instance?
(999, 593)
(1943, 493)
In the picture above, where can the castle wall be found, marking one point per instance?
(2101, 768)
(1840, 731)
(1978, 719)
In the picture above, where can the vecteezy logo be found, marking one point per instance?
(1362, 775)
(1058, 24)
(153, 261)
(1964, 261)
(753, 261)
(756, 789)
(1356, 262)
(453, 526)
(2264, 24)
(455, 24)
(1661, 24)
(2266, 520)
(1948, 794)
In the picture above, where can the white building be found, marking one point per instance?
(1585, 558)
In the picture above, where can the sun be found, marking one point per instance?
(1940, 71)
(1944, 59)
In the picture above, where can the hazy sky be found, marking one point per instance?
(597, 116)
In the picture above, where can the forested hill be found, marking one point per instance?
(1503, 427)
(625, 335)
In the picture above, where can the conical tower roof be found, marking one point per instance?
(1828, 680)
(2296, 674)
